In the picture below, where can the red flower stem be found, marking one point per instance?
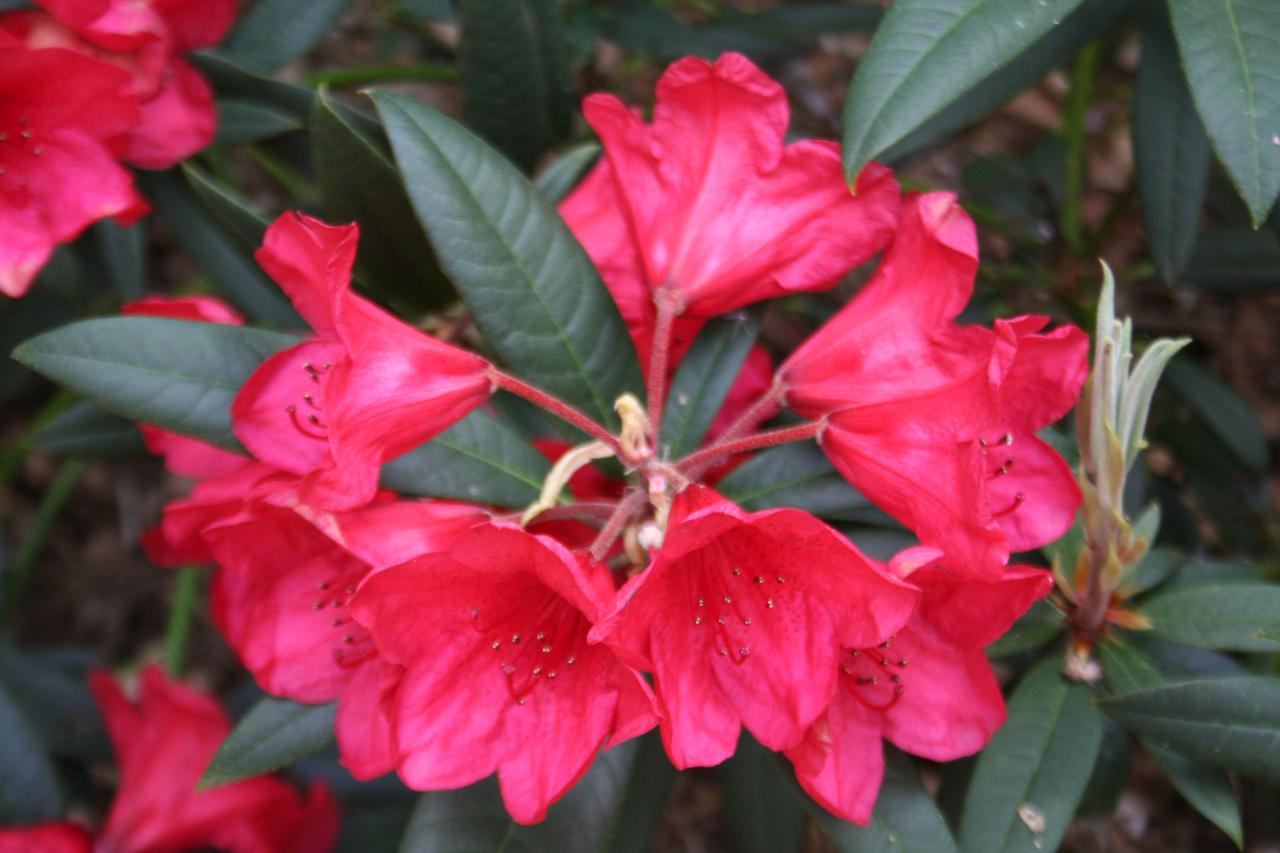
(668, 302)
(801, 432)
(594, 510)
(555, 406)
(759, 412)
(621, 515)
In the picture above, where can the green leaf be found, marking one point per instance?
(234, 213)
(1229, 52)
(1037, 626)
(796, 475)
(558, 180)
(230, 267)
(478, 459)
(1208, 789)
(928, 53)
(703, 380)
(88, 430)
(275, 32)
(274, 733)
(358, 182)
(29, 790)
(175, 374)
(905, 820)
(1222, 410)
(123, 255)
(760, 811)
(1171, 151)
(1154, 569)
(515, 77)
(1227, 722)
(1231, 259)
(531, 289)
(241, 122)
(1036, 766)
(1238, 617)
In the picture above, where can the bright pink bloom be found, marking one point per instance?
(162, 745)
(708, 199)
(934, 421)
(366, 389)
(498, 674)
(179, 540)
(63, 122)
(928, 690)
(46, 838)
(147, 39)
(286, 574)
(204, 309)
(741, 618)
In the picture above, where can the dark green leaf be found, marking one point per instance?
(558, 180)
(1033, 629)
(230, 266)
(87, 430)
(29, 790)
(1171, 152)
(531, 289)
(905, 820)
(761, 813)
(358, 182)
(1228, 722)
(275, 32)
(50, 686)
(703, 380)
(1235, 260)
(1154, 569)
(925, 55)
(123, 253)
(515, 79)
(241, 122)
(478, 459)
(275, 733)
(1222, 411)
(1035, 767)
(1238, 617)
(639, 813)
(1229, 51)
(797, 475)
(1110, 772)
(175, 374)
(234, 213)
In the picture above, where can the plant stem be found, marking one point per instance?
(178, 632)
(1073, 122)
(668, 301)
(621, 515)
(557, 407)
(12, 456)
(24, 563)
(801, 432)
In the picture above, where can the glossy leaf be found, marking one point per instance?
(274, 733)
(1228, 722)
(234, 213)
(358, 182)
(1229, 52)
(241, 122)
(273, 33)
(761, 814)
(29, 790)
(1222, 410)
(1242, 617)
(558, 180)
(176, 374)
(925, 55)
(1036, 627)
(1171, 152)
(503, 245)
(1231, 259)
(797, 475)
(123, 255)
(515, 80)
(88, 430)
(1035, 769)
(703, 380)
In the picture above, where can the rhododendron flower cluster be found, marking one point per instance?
(86, 88)
(462, 640)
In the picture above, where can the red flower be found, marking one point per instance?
(367, 389)
(498, 674)
(162, 744)
(63, 121)
(286, 575)
(179, 540)
(710, 201)
(741, 617)
(934, 421)
(147, 39)
(928, 690)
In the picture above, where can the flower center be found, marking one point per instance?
(874, 676)
(352, 644)
(17, 142)
(730, 603)
(305, 414)
(999, 455)
(534, 647)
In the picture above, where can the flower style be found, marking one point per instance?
(498, 673)
(741, 618)
(365, 390)
(162, 745)
(146, 39)
(928, 689)
(936, 421)
(63, 122)
(709, 203)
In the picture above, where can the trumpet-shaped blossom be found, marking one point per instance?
(64, 120)
(498, 673)
(162, 744)
(928, 689)
(365, 390)
(936, 421)
(741, 618)
(710, 201)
